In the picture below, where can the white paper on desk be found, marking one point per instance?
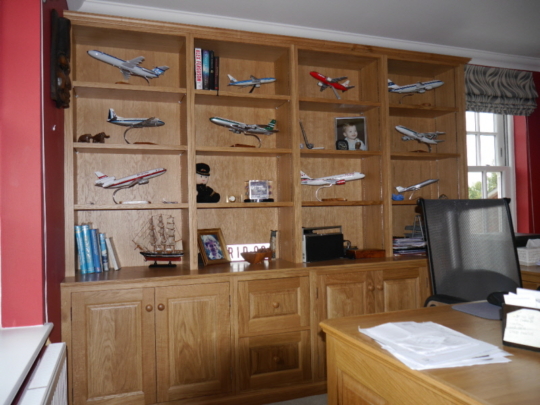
(429, 345)
(523, 298)
(523, 327)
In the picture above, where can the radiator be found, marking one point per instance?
(48, 382)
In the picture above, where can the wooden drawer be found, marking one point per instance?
(273, 360)
(266, 306)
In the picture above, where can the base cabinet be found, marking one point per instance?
(113, 347)
(118, 338)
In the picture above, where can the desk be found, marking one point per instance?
(530, 275)
(361, 373)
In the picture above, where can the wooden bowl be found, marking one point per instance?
(256, 257)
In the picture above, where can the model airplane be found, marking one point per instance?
(416, 187)
(246, 129)
(337, 179)
(420, 87)
(253, 82)
(325, 82)
(129, 67)
(129, 181)
(133, 122)
(425, 137)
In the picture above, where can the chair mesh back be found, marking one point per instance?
(471, 247)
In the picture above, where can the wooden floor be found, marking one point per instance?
(314, 400)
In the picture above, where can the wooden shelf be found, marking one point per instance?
(229, 99)
(340, 203)
(341, 154)
(129, 149)
(239, 151)
(128, 92)
(337, 106)
(244, 205)
(423, 156)
(122, 207)
(418, 111)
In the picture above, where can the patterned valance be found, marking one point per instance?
(499, 91)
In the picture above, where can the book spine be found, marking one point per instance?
(104, 255)
(205, 68)
(87, 248)
(80, 249)
(96, 251)
(198, 69)
(216, 72)
(112, 255)
(211, 77)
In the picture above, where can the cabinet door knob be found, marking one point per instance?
(161, 307)
(370, 288)
(149, 308)
(275, 304)
(276, 359)
(380, 287)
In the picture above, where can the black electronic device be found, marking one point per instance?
(322, 243)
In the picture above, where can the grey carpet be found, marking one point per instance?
(314, 400)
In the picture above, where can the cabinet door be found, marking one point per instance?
(398, 289)
(193, 341)
(273, 360)
(113, 347)
(269, 306)
(338, 295)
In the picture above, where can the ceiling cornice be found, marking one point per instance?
(478, 57)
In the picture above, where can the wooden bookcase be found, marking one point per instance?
(369, 217)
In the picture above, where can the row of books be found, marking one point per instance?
(95, 251)
(206, 70)
(409, 246)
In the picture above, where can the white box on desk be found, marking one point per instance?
(528, 257)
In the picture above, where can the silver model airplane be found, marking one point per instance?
(428, 138)
(246, 129)
(253, 82)
(129, 67)
(337, 179)
(133, 122)
(420, 87)
(129, 181)
(416, 187)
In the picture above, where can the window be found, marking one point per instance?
(490, 155)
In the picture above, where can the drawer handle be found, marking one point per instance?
(275, 304)
(276, 359)
(149, 308)
(161, 307)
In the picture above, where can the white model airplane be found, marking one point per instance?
(420, 87)
(425, 137)
(416, 187)
(133, 122)
(338, 179)
(248, 129)
(129, 67)
(129, 181)
(253, 82)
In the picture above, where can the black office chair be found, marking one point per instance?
(471, 249)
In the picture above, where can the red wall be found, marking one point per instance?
(31, 201)
(21, 239)
(533, 136)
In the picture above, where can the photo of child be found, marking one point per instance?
(351, 133)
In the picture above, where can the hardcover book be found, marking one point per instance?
(198, 69)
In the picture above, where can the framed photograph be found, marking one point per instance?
(351, 133)
(212, 246)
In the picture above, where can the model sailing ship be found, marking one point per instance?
(157, 241)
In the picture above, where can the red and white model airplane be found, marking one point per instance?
(129, 181)
(325, 82)
(337, 179)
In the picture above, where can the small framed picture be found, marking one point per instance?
(212, 246)
(351, 133)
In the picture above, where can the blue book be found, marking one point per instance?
(96, 250)
(80, 249)
(205, 69)
(88, 248)
(104, 255)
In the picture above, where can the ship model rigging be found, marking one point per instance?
(157, 241)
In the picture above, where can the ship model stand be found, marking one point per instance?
(157, 241)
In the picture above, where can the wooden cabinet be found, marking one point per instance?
(148, 345)
(113, 347)
(273, 332)
(193, 341)
(364, 208)
(340, 293)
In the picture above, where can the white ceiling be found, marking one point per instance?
(503, 33)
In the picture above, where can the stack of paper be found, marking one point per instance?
(428, 345)
(523, 298)
(522, 319)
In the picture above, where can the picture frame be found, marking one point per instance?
(212, 246)
(351, 125)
